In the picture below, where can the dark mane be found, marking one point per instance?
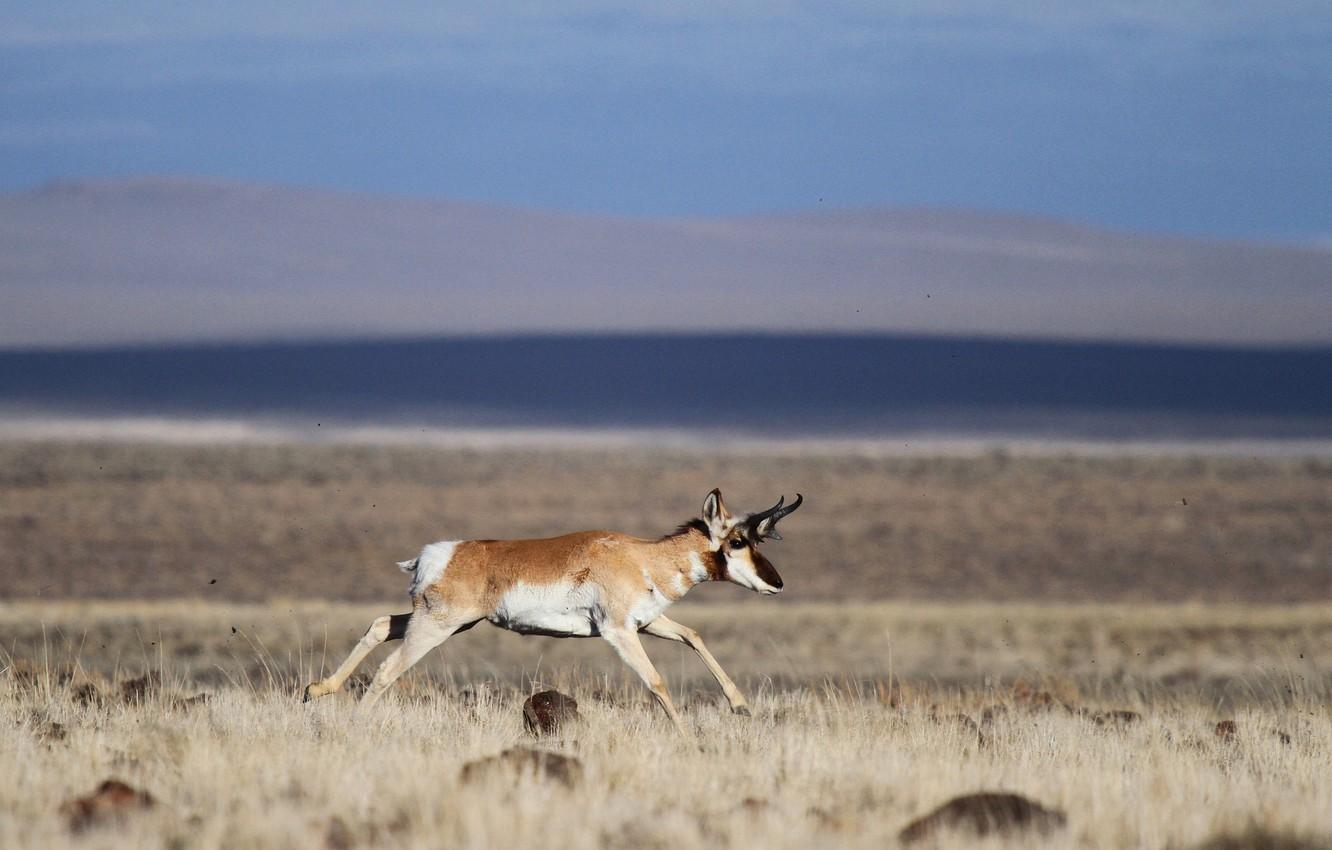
(684, 528)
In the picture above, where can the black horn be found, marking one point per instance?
(763, 525)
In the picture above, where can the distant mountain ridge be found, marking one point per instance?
(174, 259)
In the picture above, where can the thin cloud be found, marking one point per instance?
(782, 47)
(91, 22)
(33, 134)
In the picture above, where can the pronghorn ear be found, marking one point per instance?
(715, 513)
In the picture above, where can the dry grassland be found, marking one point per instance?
(251, 522)
(163, 606)
(858, 728)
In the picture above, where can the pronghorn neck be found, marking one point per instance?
(691, 555)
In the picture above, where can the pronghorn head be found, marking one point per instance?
(735, 540)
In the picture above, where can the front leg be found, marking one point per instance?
(630, 649)
(664, 627)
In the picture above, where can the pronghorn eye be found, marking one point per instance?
(737, 543)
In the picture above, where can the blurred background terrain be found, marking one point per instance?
(172, 260)
(252, 522)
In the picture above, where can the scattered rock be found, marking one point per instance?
(826, 819)
(520, 760)
(338, 836)
(1116, 717)
(180, 702)
(1283, 737)
(546, 712)
(138, 690)
(992, 713)
(984, 814)
(1226, 731)
(1257, 838)
(26, 674)
(51, 731)
(86, 694)
(754, 805)
(112, 801)
(22, 673)
(1028, 695)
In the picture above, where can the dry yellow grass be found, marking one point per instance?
(837, 754)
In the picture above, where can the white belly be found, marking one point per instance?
(561, 610)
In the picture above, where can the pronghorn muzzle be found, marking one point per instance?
(763, 526)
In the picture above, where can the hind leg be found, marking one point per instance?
(388, 627)
(424, 633)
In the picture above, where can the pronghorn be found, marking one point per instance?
(586, 584)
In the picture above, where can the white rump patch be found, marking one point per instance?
(429, 566)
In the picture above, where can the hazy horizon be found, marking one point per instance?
(1317, 242)
(88, 263)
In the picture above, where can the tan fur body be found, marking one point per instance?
(611, 573)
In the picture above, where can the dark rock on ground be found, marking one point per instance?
(138, 690)
(753, 805)
(993, 713)
(1116, 717)
(338, 836)
(86, 693)
(826, 819)
(1029, 696)
(984, 814)
(1258, 838)
(520, 760)
(195, 701)
(545, 713)
(113, 800)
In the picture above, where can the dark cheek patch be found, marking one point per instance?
(765, 570)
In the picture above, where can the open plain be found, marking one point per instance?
(1143, 644)
(255, 522)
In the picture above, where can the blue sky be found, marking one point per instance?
(1188, 116)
